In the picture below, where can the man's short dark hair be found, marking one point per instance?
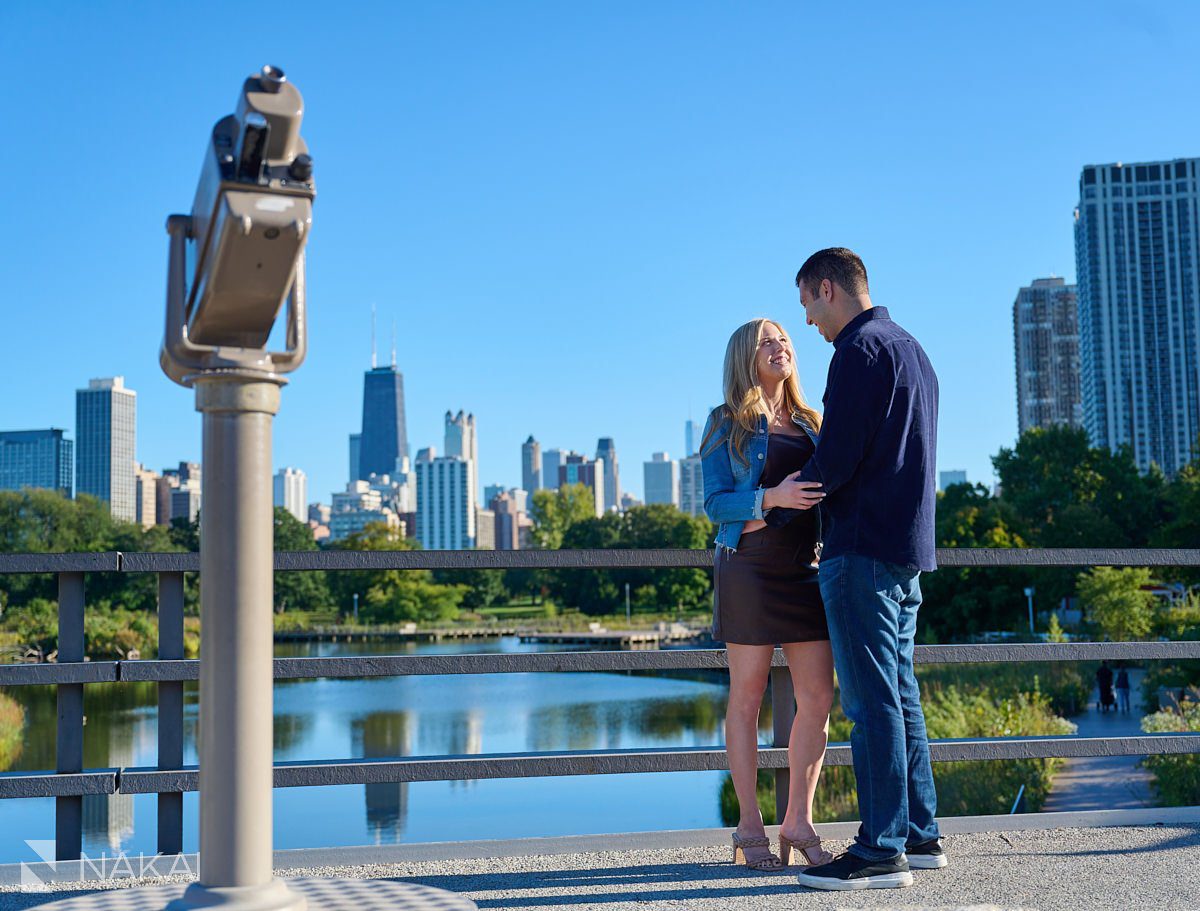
(836, 264)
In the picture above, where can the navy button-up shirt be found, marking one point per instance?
(878, 445)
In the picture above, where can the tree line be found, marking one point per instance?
(1054, 491)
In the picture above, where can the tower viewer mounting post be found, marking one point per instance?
(234, 262)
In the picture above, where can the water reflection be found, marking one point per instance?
(393, 717)
(384, 735)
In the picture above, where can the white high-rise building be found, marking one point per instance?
(691, 486)
(447, 509)
(291, 492)
(1137, 263)
(691, 437)
(105, 444)
(661, 476)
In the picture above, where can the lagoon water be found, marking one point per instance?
(332, 719)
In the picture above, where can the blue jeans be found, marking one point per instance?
(872, 611)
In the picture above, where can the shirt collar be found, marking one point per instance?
(852, 328)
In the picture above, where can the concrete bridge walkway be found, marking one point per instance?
(1147, 863)
(1104, 782)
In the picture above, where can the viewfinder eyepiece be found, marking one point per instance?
(272, 79)
(255, 133)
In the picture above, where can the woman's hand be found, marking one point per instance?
(793, 493)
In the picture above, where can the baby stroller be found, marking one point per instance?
(1104, 680)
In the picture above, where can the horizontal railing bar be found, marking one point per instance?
(58, 784)
(621, 762)
(60, 563)
(50, 672)
(1004, 652)
(661, 558)
(649, 660)
(163, 670)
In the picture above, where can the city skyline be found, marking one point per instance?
(956, 213)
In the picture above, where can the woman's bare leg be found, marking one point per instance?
(749, 670)
(811, 666)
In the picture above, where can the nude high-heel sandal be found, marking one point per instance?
(767, 864)
(788, 849)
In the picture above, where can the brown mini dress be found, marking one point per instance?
(766, 592)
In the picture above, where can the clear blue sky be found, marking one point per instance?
(567, 208)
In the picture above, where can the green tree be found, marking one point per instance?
(391, 595)
(1181, 520)
(1116, 601)
(554, 511)
(642, 527)
(963, 600)
(297, 590)
(12, 730)
(1067, 494)
(484, 587)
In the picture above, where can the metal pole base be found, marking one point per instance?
(274, 896)
(314, 893)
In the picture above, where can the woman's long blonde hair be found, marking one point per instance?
(744, 402)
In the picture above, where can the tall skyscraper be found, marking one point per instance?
(106, 440)
(691, 486)
(461, 440)
(552, 460)
(579, 469)
(291, 492)
(691, 437)
(531, 465)
(384, 437)
(43, 459)
(606, 450)
(1137, 261)
(1046, 342)
(661, 479)
(446, 504)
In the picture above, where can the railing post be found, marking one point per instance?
(170, 711)
(68, 811)
(783, 712)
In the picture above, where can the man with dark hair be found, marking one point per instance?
(875, 462)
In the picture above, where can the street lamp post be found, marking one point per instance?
(1029, 595)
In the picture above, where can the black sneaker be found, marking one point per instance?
(850, 872)
(928, 855)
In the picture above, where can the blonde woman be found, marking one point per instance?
(765, 584)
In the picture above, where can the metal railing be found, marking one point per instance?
(69, 782)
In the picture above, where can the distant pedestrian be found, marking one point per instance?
(1104, 683)
(1123, 691)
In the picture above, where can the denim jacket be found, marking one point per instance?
(732, 494)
